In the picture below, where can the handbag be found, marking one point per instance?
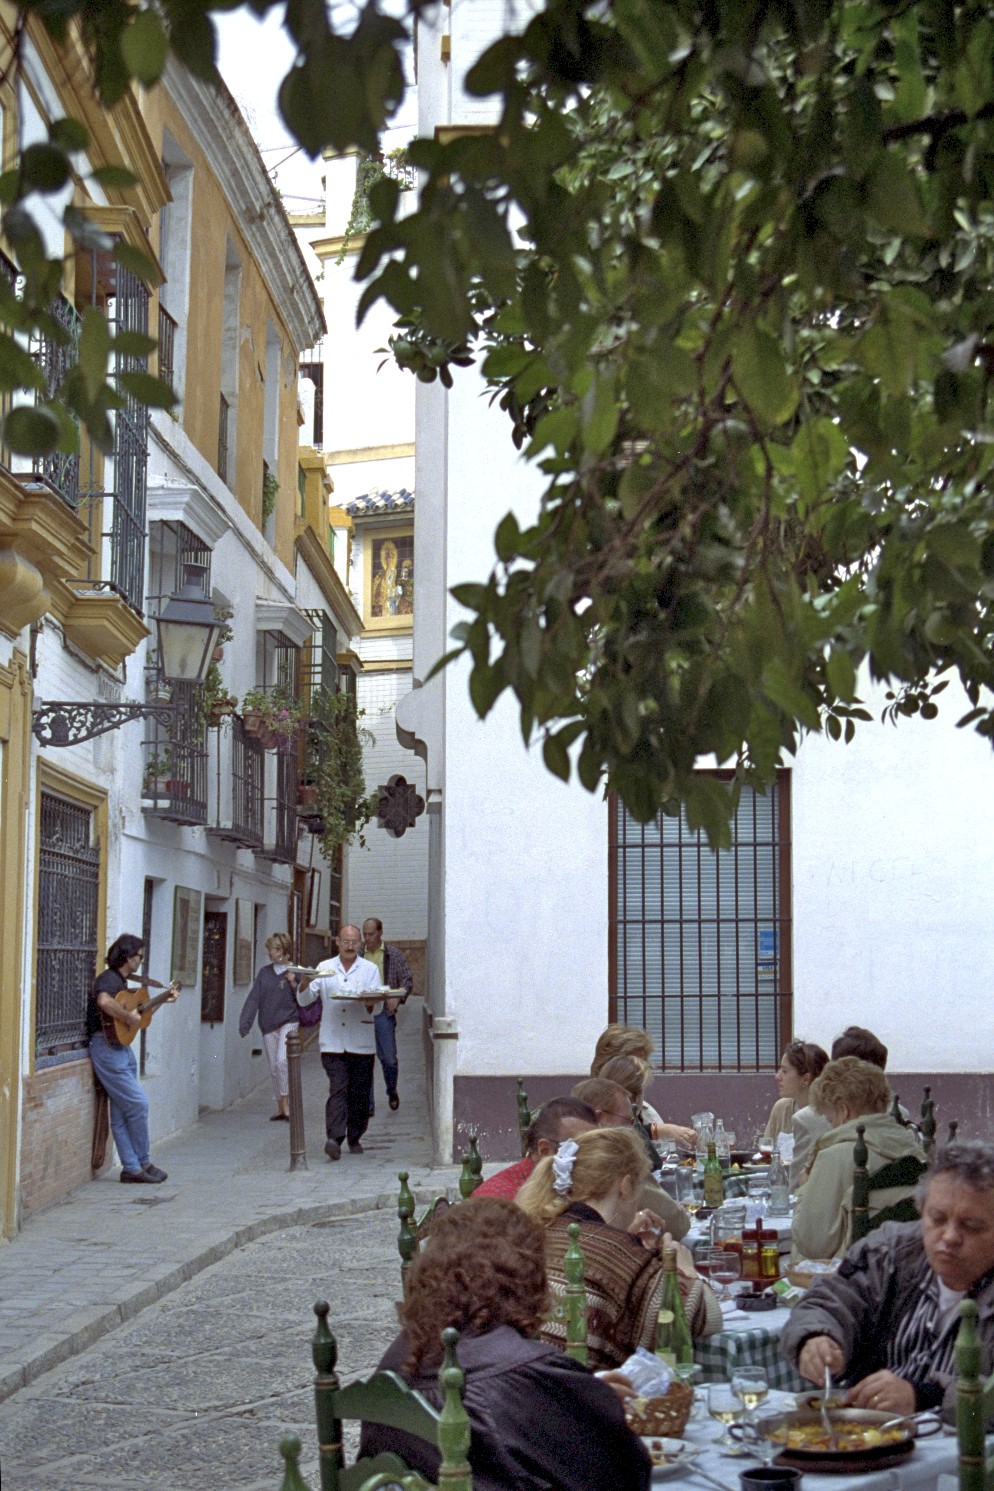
(309, 1014)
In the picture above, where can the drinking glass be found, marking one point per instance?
(726, 1408)
(750, 1386)
(724, 1267)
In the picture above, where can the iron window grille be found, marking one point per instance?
(315, 372)
(224, 412)
(700, 941)
(320, 665)
(240, 816)
(281, 809)
(167, 347)
(68, 906)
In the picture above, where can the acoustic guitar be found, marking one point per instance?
(138, 1003)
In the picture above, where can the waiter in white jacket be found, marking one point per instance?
(347, 1039)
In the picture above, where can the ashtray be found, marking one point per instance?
(757, 1301)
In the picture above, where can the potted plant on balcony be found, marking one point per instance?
(214, 702)
(155, 781)
(273, 716)
(333, 767)
(224, 615)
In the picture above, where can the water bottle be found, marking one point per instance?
(779, 1183)
(705, 1137)
(722, 1148)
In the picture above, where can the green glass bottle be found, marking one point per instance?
(681, 1342)
(664, 1337)
(714, 1185)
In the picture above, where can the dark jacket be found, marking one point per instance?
(396, 972)
(272, 999)
(538, 1420)
(861, 1305)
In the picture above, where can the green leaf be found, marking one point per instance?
(472, 596)
(154, 392)
(841, 677)
(143, 265)
(94, 351)
(507, 538)
(31, 431)
(45, 168)
(115, 178)
(145, 47)
(789, 696)
(893, 197)
(820, 454)
(486, 683)
(556, 757)
(134, 344)
(761, 377)
(68, 135)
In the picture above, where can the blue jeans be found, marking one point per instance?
(118, 1072)
(386, 1050)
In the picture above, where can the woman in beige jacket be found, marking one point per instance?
(848, 1092)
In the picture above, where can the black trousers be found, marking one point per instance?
(346, 1113)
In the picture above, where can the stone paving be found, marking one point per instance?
(108, 1252)
(198, 1390)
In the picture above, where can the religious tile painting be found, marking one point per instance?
(392, 584)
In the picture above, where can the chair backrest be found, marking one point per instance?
(386, 1399)
(524, 1117)
(413, 1229)
(576, 1298)
(927, 1125)
(905, 1172)
(974, 1405)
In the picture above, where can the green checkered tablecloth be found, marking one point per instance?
(752, 1345)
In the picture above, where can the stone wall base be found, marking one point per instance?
(57, 1138)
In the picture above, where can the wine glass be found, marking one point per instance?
(724, 1267)
(750, 1386)
(726, 1408)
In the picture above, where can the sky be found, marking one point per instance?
(253, 57)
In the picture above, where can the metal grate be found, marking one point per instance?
(320, 666)
(128, 312)
(247, 775)
(175, 781)
(167, 347)
(55, 356)
(68, 904)
(222, 438)
(315, 372)
(700, 941)
(281, 810)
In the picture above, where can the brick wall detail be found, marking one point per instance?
(58, 1134)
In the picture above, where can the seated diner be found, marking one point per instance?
(800, 1064)
(537, 1418)
(596, 1180)
(613, 1108)
(886, 1321)
(630, 1040)
(809, 1125)
(556, 1120)
(848, 1092)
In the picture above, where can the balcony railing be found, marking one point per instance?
(222, 438)
(167, 347)
(54, 357)
(174, 784)
(240, 772)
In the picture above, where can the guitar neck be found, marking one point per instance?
(153, 1004)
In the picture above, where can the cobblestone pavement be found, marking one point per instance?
(198, 1390)
(108, 1252)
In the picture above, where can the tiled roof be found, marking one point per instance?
(374, 503)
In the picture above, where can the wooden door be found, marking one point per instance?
(214, 966)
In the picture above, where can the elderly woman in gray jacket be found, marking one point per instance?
(886, 1322)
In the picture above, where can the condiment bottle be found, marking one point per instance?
(769, 1255)
(751, 1250)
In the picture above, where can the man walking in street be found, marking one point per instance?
(347, 1040)
(394, 974)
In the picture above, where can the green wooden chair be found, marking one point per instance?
(525, 1117)
(384, 1399)
(414, 1229)
(907, 1171)
(974, 1405)
(571, 1306)
(927, 1124)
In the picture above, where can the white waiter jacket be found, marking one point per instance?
(344, 1026)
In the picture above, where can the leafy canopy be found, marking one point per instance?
(728, 267)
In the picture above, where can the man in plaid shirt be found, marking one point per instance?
(556, 1120)
(395, 974)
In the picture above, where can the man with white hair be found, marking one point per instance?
(346, 1038)
(886, 1321)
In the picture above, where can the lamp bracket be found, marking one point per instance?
(71, 722)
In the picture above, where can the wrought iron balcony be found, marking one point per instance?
(281, 810)
(167, 347)
(240, 800)
(174, 785)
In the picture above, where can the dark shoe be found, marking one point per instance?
(394, 1102)
(333, 1149)
(355, 1147)
(153, 1173)
(279, 1118)
(136, 1178)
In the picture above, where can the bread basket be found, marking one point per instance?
(665, 1417)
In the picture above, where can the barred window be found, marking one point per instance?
(68, 903)
(700, 940)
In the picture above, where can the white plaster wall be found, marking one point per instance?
(525, 883)
(363, 403)
(893, 864)
(356, 478)
(389, 878)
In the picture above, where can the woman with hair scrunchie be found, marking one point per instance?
(538, 1420)
(595, 1180)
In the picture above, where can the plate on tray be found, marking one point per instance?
(669, 1456)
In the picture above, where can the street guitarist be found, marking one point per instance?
(115, 1064)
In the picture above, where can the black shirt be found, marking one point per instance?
(109, 982)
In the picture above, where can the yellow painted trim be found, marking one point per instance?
(339, 518)
(318, 561)
(104, 626)
(306, 219)
(15, 754)
(326, 247)
(53, 778)
(389, 665)
(124, 222)
(370, 453)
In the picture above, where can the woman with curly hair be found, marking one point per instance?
(539, 1421)
(596, 1180)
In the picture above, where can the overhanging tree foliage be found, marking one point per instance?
(728, 266)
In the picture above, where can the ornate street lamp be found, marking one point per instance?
(187, 632)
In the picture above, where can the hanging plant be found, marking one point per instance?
(272, 715)
(333, 767)
(270, 487)
(213, 700)
(369, 170)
